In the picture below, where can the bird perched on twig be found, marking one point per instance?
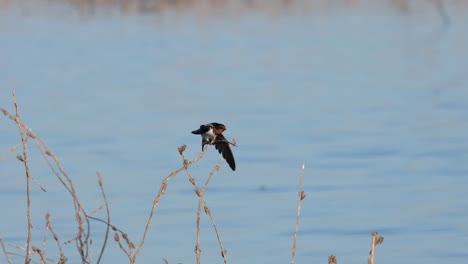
(212, 134)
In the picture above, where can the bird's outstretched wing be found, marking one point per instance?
(201, 130)
(222, 145)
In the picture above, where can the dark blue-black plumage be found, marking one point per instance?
(212, 134)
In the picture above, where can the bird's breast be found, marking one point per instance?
(209, 136)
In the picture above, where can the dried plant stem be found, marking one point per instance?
(6, 253)
(207, 211)
(200, 201)
(300, 198)
(24, 159)
(375, 241)
(374, 237)
(10, 151)
(63, 259)
(108, 217)
(44, 243)
(82, 238)
(161, 191)
(223, 250)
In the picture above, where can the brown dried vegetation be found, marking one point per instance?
(84, 220)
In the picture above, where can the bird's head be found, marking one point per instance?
(218, 128)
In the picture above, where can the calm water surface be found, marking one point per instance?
(373, 100)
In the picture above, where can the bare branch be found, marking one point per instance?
(300, 198)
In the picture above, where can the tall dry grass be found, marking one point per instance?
(84, 221)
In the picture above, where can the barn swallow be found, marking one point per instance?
(212, 134)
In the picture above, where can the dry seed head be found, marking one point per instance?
(116, 237)
(63, 260)
(302, 194)
(182, 149)
(379, 240)
(30, 133)
(35, 249)
(331, 259)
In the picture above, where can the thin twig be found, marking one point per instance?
(44, 243)
(82, 238)
(63, 259)
(161, 191)
(206, 208)
(200, 200)
(24, 160)
(26, 130)
(6, 253)
(375, 241)
(108, 217)
(10, 151)
(300, 198)
(208, 211)
(117, 237)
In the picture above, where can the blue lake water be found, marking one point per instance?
(372, 98)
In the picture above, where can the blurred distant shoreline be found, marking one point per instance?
(229, 7)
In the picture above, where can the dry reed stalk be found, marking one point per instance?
(375, 241)
(40, 253)
(200, 200)
(108, 217)
(10, 151)
(206, 208)
(44, 242)
(6, 253)
(300, 198)
(63, 259)
(24, 160)
(129, 243)
(28, 134)
(82, 238)
(162, 190)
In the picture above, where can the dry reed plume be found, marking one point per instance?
(84, 220)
